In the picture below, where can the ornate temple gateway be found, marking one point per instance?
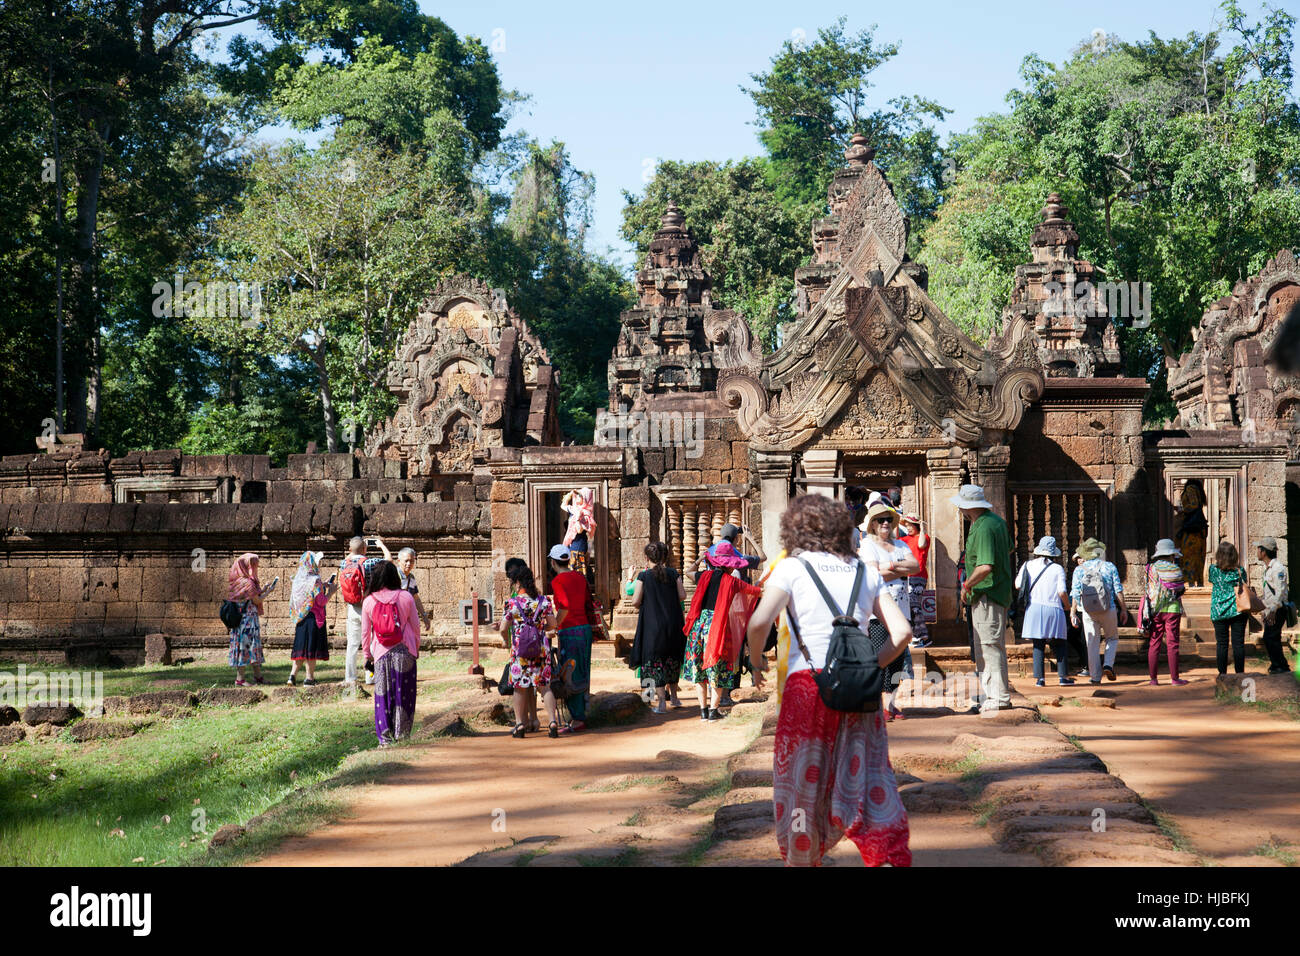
(873, 385)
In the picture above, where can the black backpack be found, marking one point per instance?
(852, 679)
(231, 614)
(1020, 600)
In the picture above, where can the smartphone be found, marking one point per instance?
(332, 577)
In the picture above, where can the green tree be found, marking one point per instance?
(342, 243)
(1180, 165)
(817, 95)
(750, 243)
(571, 297)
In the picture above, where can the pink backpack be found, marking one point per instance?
(385, 622)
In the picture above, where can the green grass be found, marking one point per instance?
(968, 766)
(1289, 709)
(984, 811)
(60, 803)
(695, 854)
(213, 671)
(1277, 850)
(628, 784)
(628, 856)
(1169, 828)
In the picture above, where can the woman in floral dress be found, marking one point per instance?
(528, 612)
(246, 640)
(715, 626)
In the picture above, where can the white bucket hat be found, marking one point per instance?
(1047, 547)
(971, 496)
(1165, 549)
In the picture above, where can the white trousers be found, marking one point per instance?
(1095, 627)
(354, 642)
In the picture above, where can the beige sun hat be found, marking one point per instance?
(972, 497)
(875, 511)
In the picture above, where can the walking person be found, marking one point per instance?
(1074, 636)
(390, 636)
(244, 589)
(987, 589)
(1276, 596)
(713, 634)
(1097, 598)
(1042, 580)
(1227, 578)
(660, 642)
(406, 570)
(831, 771)
(918, 542)
(572, 596)
(527, 618)
(895, 562)
(307, 600)
(1164, 597)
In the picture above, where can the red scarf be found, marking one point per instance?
(731, 613)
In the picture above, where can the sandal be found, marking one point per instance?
(519, 731)
(553, 731)
(241, 683)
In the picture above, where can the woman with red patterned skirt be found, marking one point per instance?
(831, 776)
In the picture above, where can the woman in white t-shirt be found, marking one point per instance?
(894, 560)
(831, 772)
(1045, 612)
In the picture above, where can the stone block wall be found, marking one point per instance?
(75, 566)
(1088, 433)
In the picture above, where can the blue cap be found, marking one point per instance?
(559, 553)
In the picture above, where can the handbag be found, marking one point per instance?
(504, 687)
(1248, 601)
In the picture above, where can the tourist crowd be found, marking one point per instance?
(842, 604)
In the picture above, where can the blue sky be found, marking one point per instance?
(623, 85)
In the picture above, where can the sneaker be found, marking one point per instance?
(921, 645)
(1153, 683)
(1091, 681)
(715, 714)
(675, 703)
(1178, 683)
(1066, 681)
(1040, 683)
(309, 682)
(1082, 673)
(241, 683)
(1108, 672)
(704, 714)
(658, 710)
(726, 701)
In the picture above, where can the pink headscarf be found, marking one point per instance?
(242, 584)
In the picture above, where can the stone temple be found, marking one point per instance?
(873, 385)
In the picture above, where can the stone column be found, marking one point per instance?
(943, 466)
(821, 468)
(991, 464)
(774, 471)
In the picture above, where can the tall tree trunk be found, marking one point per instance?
(326, 399)
(85, 294)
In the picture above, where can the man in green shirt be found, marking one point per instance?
(988, 591)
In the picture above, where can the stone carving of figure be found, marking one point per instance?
(1191, 533)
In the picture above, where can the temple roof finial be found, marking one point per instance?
(860, 152)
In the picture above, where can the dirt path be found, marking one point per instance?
(1228, 777)
(468, 795)
(643, 793)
